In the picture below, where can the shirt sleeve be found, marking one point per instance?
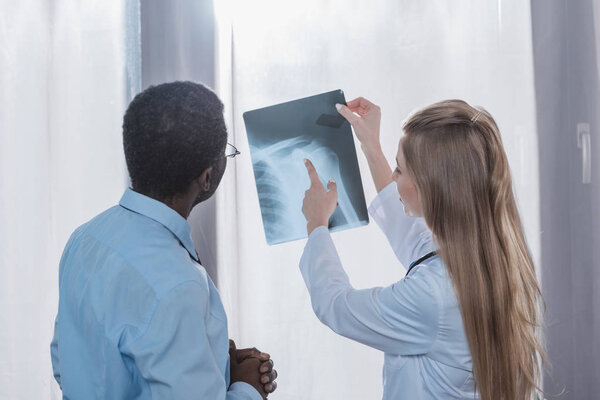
(174, 354)
(54, 353)
(399, 319)
(409, 237)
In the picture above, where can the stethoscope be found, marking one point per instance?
(419, 261)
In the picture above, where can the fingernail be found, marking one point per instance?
(332, 180)
(338, 106)
(305, 160)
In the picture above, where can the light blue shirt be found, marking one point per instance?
(138, 317)
(416, 321)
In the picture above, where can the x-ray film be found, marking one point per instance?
(280, 138)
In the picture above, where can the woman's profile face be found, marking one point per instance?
(409, 195)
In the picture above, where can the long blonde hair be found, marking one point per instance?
(454, 154)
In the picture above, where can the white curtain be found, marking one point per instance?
(67, 72)
(401, 55)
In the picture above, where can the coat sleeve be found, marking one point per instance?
(399, 319)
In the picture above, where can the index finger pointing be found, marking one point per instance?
(312, 173)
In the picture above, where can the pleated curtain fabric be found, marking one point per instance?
(67, 72)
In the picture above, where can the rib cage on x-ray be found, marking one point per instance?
(281, 179)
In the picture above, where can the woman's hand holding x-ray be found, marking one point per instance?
(366, 127)
(366, 124)
(319, 204)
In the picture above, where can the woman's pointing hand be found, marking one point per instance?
(319, 204)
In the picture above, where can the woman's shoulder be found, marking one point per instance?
(433, 274)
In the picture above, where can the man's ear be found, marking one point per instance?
(204, 179)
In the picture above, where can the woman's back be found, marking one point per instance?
(445, 370)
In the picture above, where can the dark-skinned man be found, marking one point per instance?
(138, 316)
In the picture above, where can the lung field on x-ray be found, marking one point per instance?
(281, 179)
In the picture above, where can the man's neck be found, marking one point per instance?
(180, 203)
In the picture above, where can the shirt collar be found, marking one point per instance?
(163, 214)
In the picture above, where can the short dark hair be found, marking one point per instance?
(171, 133)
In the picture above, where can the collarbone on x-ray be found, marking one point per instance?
(282, 179)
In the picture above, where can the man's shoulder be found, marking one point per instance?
(136, 247)
(79, 234)
(99, 223)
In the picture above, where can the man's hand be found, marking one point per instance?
(253, 367)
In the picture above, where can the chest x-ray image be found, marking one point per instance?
(280, 138)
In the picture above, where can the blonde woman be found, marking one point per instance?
(462, 323)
